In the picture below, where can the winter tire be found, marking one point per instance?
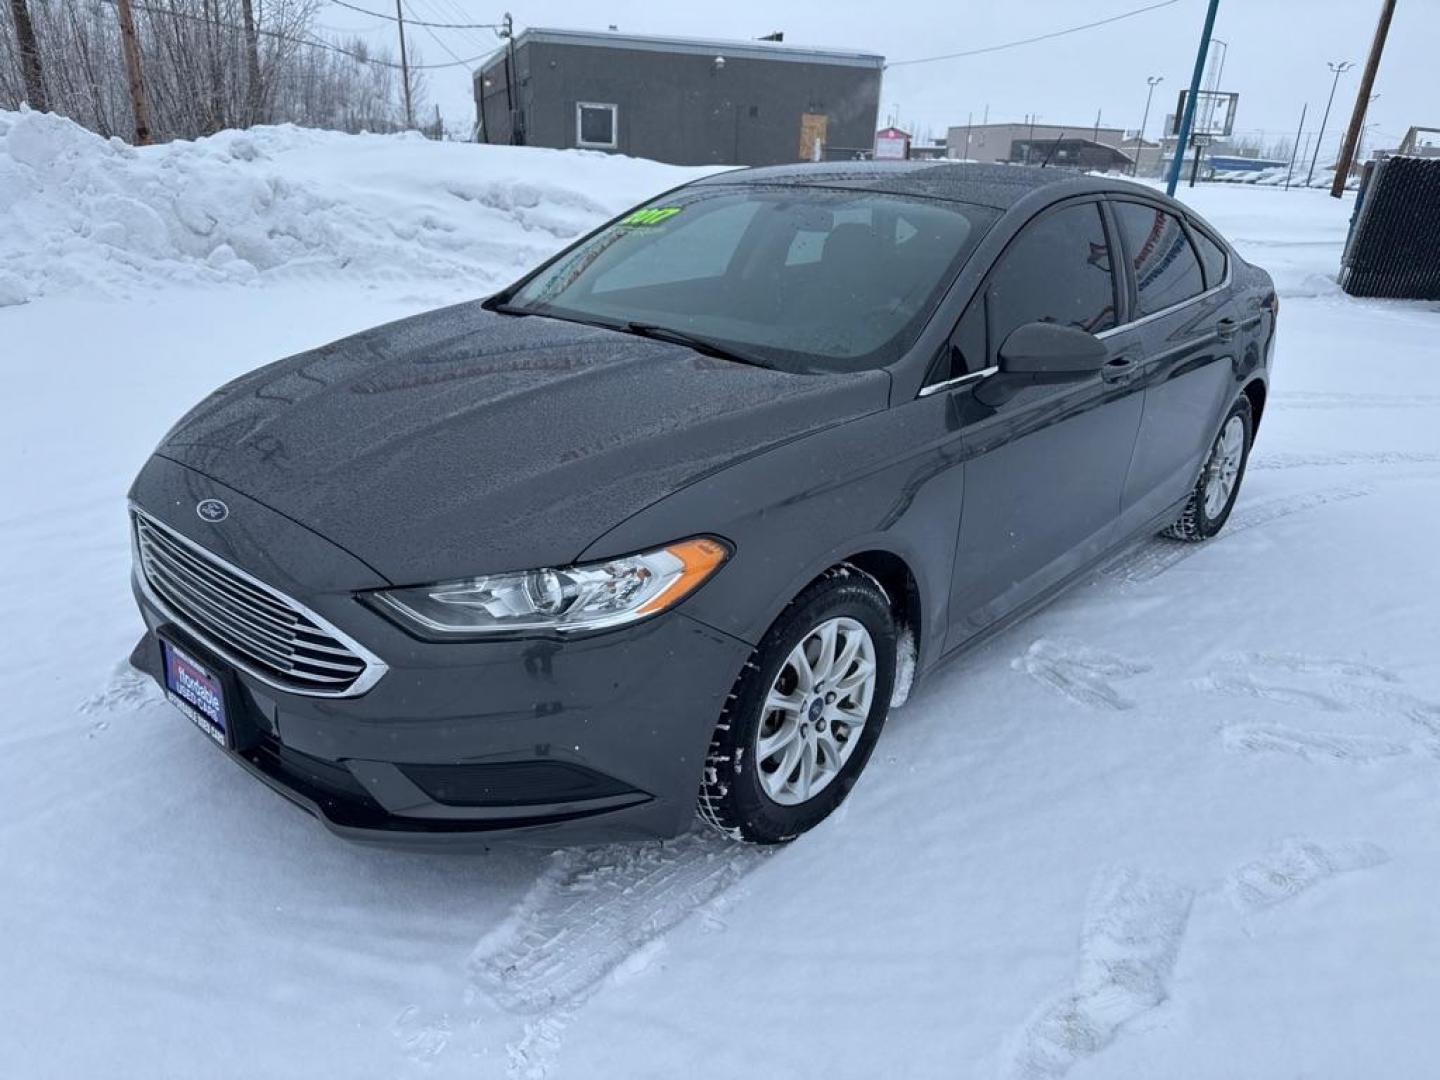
(806, 710)
(1219, 483)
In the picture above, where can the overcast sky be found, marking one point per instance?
(1276, 58)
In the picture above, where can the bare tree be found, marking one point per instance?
(29, 54)
(207, 65)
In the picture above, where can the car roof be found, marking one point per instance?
(996, 186)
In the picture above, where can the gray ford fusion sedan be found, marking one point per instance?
(672, 522)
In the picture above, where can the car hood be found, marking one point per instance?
(462, 442)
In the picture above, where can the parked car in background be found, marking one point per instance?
(674, 520)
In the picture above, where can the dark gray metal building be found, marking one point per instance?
(679, 100)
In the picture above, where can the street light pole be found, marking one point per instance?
(1339, 69)
(1187, 118)
(1295, 149)
(1151, 82)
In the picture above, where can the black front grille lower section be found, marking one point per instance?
(249, 624)
(517, 783)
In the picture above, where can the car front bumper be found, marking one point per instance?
(548, 740)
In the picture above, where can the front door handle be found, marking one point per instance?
(1119, 370)
(1227, 329)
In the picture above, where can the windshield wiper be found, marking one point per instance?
(693, 341)
(501, 303)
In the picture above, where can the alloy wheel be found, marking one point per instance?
(1224, 467)
(815, 709)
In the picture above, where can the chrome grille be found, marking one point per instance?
(255, 627)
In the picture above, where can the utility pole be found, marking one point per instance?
(1188, 118)
(1362, 99)
(1295, 149)
(404, 66)
(1339, 69)
(1151, 82)
(253, 96)
(507, 31)
(29, 56)
(132, 73)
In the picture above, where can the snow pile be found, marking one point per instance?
(78, 212)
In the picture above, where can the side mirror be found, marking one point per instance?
(1052, 350)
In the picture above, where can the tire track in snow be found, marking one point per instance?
(1329, 399)
(1304, 664)
(1350, 686)
(126, 689)
(1295, 865)
(1153, 557)
(1244, 685)
(1310, 745)
(1132, 933)
(594, 914)
(1282, 460)
(1384, 699)
(1079, 672)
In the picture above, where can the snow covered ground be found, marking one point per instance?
(1180, 824)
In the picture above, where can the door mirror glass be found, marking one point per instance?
(1040, 348)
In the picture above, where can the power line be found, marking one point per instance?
(417, 22)
(312, 42)
(469, 38)
(436, 37)
(1038, 37)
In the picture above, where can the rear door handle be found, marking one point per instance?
(1227, 329)
(1121, 369)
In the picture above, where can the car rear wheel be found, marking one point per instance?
(805, 713)
(1219, 483)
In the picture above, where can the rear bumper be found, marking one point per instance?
(554, 740)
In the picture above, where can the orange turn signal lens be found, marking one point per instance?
(699, 558)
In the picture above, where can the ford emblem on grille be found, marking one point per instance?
(212, 510)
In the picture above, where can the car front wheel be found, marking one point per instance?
(805, 713)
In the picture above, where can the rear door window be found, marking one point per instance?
(1167, 270)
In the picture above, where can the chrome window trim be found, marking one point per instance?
(1185, 223)
(1103, 334)
(1098, 199)
(375, 668)
(959, 380)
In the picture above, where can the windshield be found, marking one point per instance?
(805, 279)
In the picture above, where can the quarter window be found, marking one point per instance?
(1212, 255)
(1058, 270)
(595, 125)
(1167, 270)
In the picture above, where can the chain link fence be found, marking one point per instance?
(1394, 245)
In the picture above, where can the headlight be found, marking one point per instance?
(571, 598)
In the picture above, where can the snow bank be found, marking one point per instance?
(81, 213)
